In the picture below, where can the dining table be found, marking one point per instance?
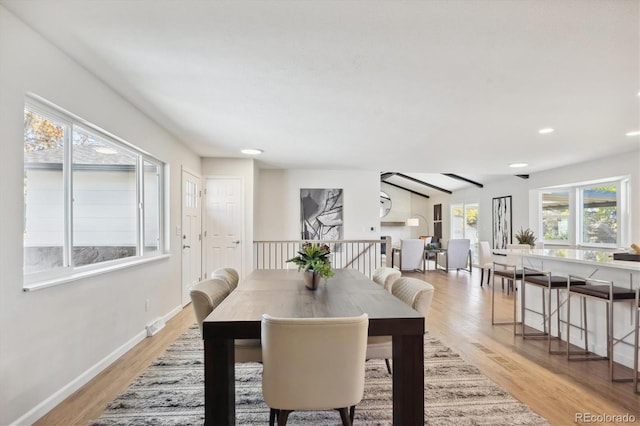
(282, 293)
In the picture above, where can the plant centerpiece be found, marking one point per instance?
(314, 260)
(526, 236)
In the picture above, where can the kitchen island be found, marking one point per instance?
(596, 264)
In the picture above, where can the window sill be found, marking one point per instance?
(39, 285)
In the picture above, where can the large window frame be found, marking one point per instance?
(142, 164)
(576, 226)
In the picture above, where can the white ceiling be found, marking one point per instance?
(453, 86)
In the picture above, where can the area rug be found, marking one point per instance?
(171, 393)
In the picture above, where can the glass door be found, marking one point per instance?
(464, 224)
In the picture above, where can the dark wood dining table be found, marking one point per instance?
(282, 293)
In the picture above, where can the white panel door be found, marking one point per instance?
(223, 224)
(191, 233)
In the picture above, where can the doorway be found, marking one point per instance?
(223, 224)
(191, 238)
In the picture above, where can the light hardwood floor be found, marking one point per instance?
(461, 317)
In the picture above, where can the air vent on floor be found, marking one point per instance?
(155, 326)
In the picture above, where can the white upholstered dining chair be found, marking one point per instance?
(418, 295)
(485, 260)
(385, 277)
(229, 275)
(205, 297)
(313, 364)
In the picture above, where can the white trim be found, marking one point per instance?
(90, 273)
(60, 395)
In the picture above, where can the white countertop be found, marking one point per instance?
(587, 257)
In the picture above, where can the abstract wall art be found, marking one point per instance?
(321, 214)
(501, 207)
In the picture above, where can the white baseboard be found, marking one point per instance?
(57, 397)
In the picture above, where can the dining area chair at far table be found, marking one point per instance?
(205, 297)
(418, 295)
(485, 261)
(313, 364)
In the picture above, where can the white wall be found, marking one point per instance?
(53, 340)
(277, 212)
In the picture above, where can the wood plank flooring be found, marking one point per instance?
(461, 317)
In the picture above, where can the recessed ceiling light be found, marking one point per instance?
(106, 150)
(517, 165)
(633, 133)
(546, 131)
(252, 151)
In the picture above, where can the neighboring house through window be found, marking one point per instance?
(89, 198)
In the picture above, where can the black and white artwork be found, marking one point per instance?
(501, 222)
(321, 214)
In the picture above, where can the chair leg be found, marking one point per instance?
(386, 361)
(344, 416)
(352, 412)
(272, 417)
(481, 276)
(283, 415)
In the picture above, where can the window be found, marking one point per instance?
(555, 216)
(590, 214)
(89, 198)
(464, 224)
(599, 215)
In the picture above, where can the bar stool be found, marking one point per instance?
(510, 272)
(546, 282)
(603, 291)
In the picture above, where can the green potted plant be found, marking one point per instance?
(313, 259)
(526, 236)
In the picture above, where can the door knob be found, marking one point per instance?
(186, 246)
(237, 242)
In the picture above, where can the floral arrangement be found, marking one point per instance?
(314, 257)
(526, 236)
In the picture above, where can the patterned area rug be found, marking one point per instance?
(171, 392)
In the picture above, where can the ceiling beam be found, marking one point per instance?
(422, 183)
(452, 176)
(385, 175)
(406, 189)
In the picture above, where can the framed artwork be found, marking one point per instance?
(502, 232)
(321, 214)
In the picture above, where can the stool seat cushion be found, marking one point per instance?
(556, 281)
(509, 273)
(602, 292)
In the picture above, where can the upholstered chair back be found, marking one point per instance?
(485, 256)
(414, 292)
(385, 277)
(411, 254)
(206, 296)
(458, 253)
(229, 275)
(313, 363)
